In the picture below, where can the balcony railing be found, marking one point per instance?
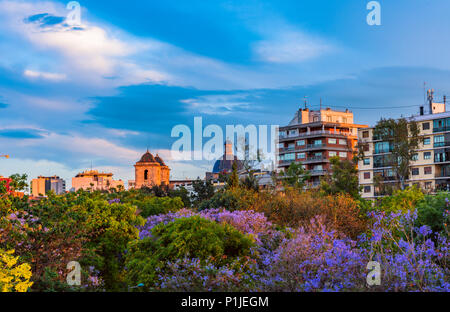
(318, 172)
(316, 158)
(311, 133)
(316, 145)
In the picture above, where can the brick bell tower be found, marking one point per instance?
(151, 171)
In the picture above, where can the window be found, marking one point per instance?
(344, 120)
(383, 147)
(428, 185)
(332, 154)
(426, 141)
(343, 154)
(365, 134)
(428, 170)
(318, 168)
(342, 142)
(318, 142)
(415, 171)
(366, 161)
(367, 189)
(318, 154)
(291, 146)
(332, 141)
(427, 155)
(329, 119)
(280, 145)
(301, 155)
(426, 126)
(366, 175)
(415, 157)
(439, 141)
(146, 175)
(287, 157)
(316, 119)
(366, 147)
(301, 143)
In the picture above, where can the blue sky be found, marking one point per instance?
(107, 90)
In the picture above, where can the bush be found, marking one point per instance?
(433, 211)
(295, 209)
(232, 199)
(159, 205)
(13, 277)
(184, 238)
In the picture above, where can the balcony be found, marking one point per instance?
(318, 172)
(441, 144)
(312, 146)
(315, 133)
(316, 159)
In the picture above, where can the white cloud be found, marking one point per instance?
(49, 76)
(90, 53)
(218, 104)
(290, 47)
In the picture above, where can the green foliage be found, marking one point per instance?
(431, 211)
(295, 176)
(19, 182)
(182, 193)
(403, 135)
(231, 199)
(203, 190)
(199, 238)
(151, 206)
(185, 238)
(233, 179)
(401, 201)
(343, 180)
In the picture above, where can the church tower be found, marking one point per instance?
(151, 171)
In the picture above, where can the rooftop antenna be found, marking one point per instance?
(320, 103)
(305, 98)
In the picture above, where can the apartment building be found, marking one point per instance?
(42, 185)
(313, 137)
(95, 180)
(430, 168)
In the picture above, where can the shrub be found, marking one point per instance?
(159, 205)
(184, 238)
(401, 201)
(232, 199)
(314, 260)
(13, 277)
(433, 211)
(295, 209)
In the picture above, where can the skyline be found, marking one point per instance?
(107, 91)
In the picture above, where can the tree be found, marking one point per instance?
(402, 136)
(344, 178)
(203, 190)
(295, 176)
(19, 182)
(233, 179)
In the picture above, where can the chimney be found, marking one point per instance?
(421, 110)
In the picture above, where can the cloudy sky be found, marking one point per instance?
(106, 90)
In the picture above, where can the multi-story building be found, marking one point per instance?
(94, 180)
(430, 168)
(313, 137)
(42, 185)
